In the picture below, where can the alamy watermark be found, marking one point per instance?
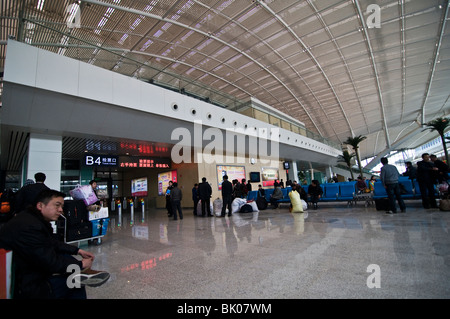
(73, 280)
(374, 279)
(374, 18)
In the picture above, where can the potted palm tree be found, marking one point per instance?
(354, 142)
(439, 125)
(346, 158)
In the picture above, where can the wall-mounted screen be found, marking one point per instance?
(269, 176)
(164, 179)
(233, 172)
(139, 187)
(255, 177)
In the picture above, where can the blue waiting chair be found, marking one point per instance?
(408, 187)
(252, 195)
(379, 190)
(331, 192)
(346, 191)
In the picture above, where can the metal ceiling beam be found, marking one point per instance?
(338, 49)
(313, 58)
(279, 55)
(374, 67)
(205, 34)
(435, 60)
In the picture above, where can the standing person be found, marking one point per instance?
(244, 189)
(315, 192)
(249, 187)
(175, 198)
(168, 202)
(426, 177)
(227, 191)
(389, 177)
(93, 184)
(28, 193)
(195, 197)
(237, 189)
(204, 193)
(41, 261)
(442, 173)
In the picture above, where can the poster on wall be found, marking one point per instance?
(269, 176)
(164, 179)
(233, 172)
(139, 187)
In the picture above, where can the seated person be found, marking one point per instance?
(302, 192)
(42, 264)
(361, 185)
(372, 183)
(314, 192)
(261, 192)
(276, 195)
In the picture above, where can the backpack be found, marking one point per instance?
(261, 202)
(246, 208)
(6, 205)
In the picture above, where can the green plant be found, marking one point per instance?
(354, 142)
(439, 125)
(346, 158)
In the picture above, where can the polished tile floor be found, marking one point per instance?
(333, 252)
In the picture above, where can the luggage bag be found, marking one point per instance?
(382, 204)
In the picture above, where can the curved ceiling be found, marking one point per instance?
(344, 68)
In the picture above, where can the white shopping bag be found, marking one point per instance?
(102, 213)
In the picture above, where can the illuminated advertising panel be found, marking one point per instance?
(139, 187)
(233, 172)
(144, 162)
(269, 176)
(164, 179)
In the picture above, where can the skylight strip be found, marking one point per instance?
(187, 35)
(123, 38)
(136, 23)
(146, 45)
(225, 5)
(40, 5)
(248, 14)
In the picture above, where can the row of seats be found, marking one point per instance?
(346, 191)
(268, 192)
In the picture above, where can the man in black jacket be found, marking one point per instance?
(227, 191)
(426, 177)
(204, 193)
(442, 173)
(44, 266)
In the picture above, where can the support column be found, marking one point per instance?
(294, 171)
(44, 155)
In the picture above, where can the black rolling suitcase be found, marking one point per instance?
(79, 232)
(78, 226)
(75, 212)
(382, 204)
